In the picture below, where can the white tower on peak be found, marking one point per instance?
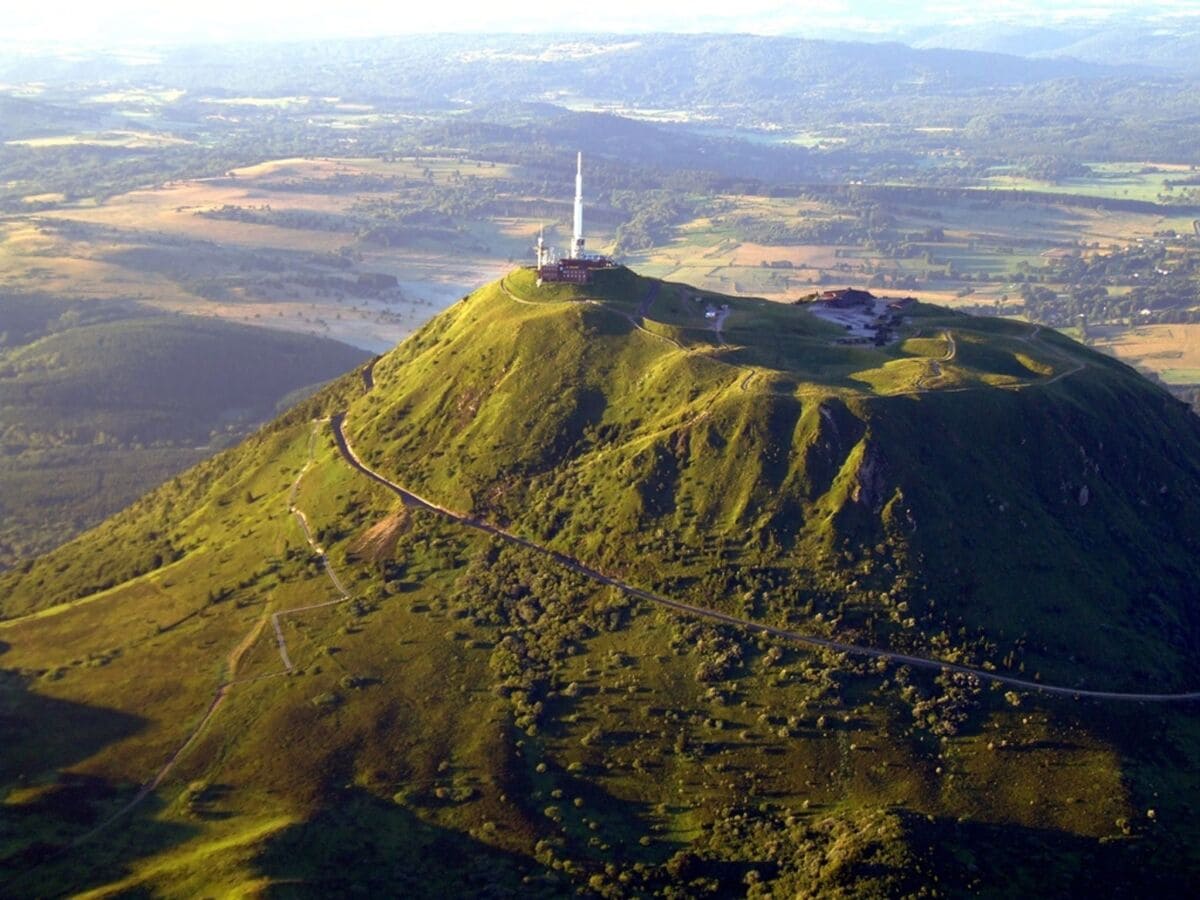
(577, 243)
(543, 252)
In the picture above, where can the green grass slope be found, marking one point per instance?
(978, 474)
(100, 403)
(473, 717)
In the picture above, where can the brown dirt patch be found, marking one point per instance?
(378, 542)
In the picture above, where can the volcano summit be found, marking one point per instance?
(630, 588)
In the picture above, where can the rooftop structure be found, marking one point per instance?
(847, 298)
(864, 317)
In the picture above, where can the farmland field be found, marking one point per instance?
(974, 251)
(978, 254)
(278, 244)
(366, 249)
(1170, 351)
(1146, 181)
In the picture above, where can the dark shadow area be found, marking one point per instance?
(43, 735)
(364, 845)
(58, 859)
(1018, 861)
(585, 810)
(606, 321)
(894, 852)
(45, 810)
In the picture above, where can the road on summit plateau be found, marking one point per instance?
(416, 501)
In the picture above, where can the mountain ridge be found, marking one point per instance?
(391, 681)
(833, 416)
(574, 63)
(849, 455)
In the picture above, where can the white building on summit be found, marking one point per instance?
(576, 268)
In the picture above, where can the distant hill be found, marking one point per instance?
(535, 606)
(882, 103)
(1173, 47)
(22, 117)
(664, 70)
(100, 403)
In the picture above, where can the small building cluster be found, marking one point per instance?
(577, 267)
(847, 298)
(867, 319)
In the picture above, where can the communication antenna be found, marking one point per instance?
(577, 243)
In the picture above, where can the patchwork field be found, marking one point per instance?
(1170, 351)
(973, 254)
(1148, 181)
(285, 244)
(365, 250)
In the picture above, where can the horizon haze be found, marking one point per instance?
(138, 23)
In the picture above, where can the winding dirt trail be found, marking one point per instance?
(222, 693)
(368, 376)
(416, 501)
(638, 320)
(1029, 339)
(513, 297)
(234, 658)
(936, 364)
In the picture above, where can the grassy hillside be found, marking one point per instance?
(455, 713)
(852, 481)
(101, 403)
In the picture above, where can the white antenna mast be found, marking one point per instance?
(577, 244)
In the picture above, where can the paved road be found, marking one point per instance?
(416, 501)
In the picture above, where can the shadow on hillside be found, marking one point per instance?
(43, 734)
(45, 808)
(606, 321)
(364, 845)
(1047, 862)
(864, 852)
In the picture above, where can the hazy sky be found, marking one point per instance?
(141, 21)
